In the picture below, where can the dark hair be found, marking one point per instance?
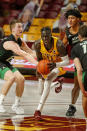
(73, 12)
(13, 22)
(83, 31)
(47, 28)
(2, 34)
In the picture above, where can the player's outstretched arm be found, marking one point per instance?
(27, 49)
(10, 45)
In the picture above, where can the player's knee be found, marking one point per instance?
(12, 79)
(20, 79)
(53, 74)
(47, 85)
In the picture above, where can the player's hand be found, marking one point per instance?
(51, 66)
(38, 74)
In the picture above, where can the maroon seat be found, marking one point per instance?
(14, 13)
(8, 1)
(5, 0)
(83, 8)
(45, 6)
(48, 14)
(48, 1)
(51, 7)
(51, 14)
(55, 7)
(8, 19)
(5, 6)
(60, 2)
(84, 2)
(41, 14)
(20, 2)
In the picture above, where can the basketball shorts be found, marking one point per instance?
(84, 80)
(4, 67)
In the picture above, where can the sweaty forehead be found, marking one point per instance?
(18, 24)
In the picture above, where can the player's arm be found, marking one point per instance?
(37, 47)
(27, 49)
(10, 45)
(63, 54)
(65, 40)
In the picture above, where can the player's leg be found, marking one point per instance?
(9, 78)
(57, 84)
(75, 91)
(40, 85)
(75, 94)
(84, 98)
(84, 104)
(19, 79)
(47, 83)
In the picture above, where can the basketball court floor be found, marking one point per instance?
(54, 118)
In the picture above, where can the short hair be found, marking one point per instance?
(13, 22)
(73, 12)
(47, 28)
(83, 31)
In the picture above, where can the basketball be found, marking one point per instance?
(42, 67)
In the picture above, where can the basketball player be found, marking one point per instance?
(79, 55)
(70, 40)
(52, 49)
(8, 46)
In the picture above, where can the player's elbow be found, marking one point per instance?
(21, 53)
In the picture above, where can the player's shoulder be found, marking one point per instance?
(7, 38)
(4, 39)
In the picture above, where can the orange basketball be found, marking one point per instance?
(42, 67)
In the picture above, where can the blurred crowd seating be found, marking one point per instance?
(48, 14)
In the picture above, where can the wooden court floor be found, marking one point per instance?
(54, 118)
